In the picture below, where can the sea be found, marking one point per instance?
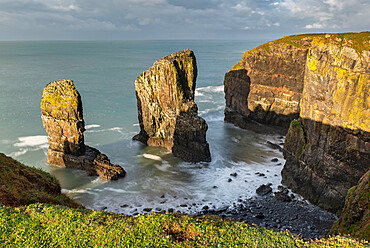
(104, 73)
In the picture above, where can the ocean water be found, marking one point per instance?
(104, 73)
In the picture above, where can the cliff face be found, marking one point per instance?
(266, 85)
(355, 217)
(327, 150)
(166, 109)
(62, 117)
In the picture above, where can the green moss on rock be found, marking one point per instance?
(355, 217)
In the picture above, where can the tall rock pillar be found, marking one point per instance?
(62, 117)
(166, 109)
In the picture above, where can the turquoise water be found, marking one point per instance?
(104, 73)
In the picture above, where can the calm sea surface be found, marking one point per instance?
(104, 73)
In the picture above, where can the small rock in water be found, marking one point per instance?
(274, 160)
(229, 180)
(183, 205)
(170, 210)
(234, 174)
(162, 196)
(124, 206)
(147, 209)
(274, 146)
(215, 187)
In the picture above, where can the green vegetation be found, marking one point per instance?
(42, 225)
(297, 123)
(23, 185)
(354, 219)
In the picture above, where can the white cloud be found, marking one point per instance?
(189, 19)
(314, 26)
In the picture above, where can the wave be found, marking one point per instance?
(38, 140)
(219, 88)
(118, 129)
(92, 126)
(197, 93)
(163, 167)
(30, 144)
(78, 191)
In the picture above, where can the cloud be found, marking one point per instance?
(163, 19)
(314, 26)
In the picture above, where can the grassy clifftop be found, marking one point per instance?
(45, 225)
(23, 185)
(42, 225)
(358, 41)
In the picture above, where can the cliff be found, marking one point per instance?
(62, 117)
(327, 150)
(355, 217)
(23, 185)
(167, 112)
(266, 85)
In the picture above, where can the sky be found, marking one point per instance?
(177, 19)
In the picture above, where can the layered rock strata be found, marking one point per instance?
(167, 112)
(328, 149)
(62, 117)
(266, 85)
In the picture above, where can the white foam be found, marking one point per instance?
(163, 167)
(18, 153)
(219, 88)
(197, 93)
(115, 129)
(136, 124)
(115, 190)
(151, 156)
(38, 140)
(78, 191)
(92, 126)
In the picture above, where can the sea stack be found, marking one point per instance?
(327, 149)
(62, 117)
(167, 113)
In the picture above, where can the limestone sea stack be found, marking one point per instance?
(327, 149)
(62, 117)
(167, 113)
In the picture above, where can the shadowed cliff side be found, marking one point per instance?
(328, 149)
(355, 216)
(62, 117)
(167, 112)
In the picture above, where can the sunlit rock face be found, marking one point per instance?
(327, 150)
(266, 85)
(62, 117)
(166, 109)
